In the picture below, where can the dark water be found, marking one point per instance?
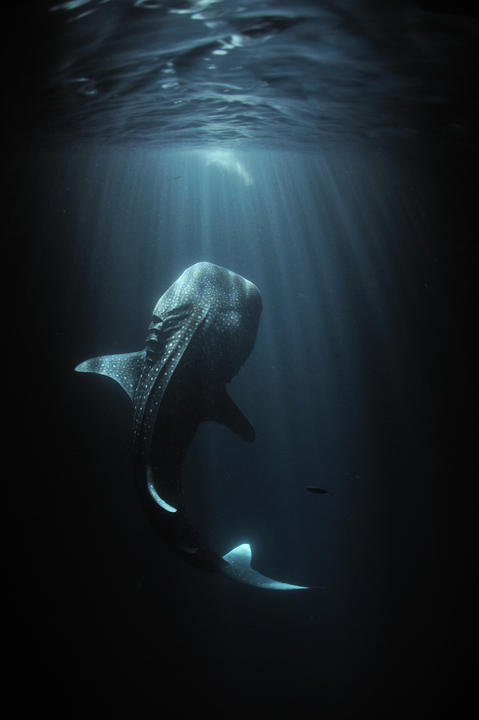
(326, 152)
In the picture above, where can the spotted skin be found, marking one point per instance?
(203, 329)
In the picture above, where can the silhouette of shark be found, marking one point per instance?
(202, 331)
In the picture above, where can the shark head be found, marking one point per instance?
(212, 309)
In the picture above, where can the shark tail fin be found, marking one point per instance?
(125, 369)
(239, 568)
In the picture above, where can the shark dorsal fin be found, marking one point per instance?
(125, 369)
(224, 410)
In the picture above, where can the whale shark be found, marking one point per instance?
(202, 331)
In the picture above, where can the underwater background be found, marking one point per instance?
(326, 151)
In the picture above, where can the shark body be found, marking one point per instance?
(203, 329)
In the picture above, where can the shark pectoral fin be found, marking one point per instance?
(225, 411)
(239, 568)
(125, 369)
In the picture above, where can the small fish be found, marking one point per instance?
(314, 489)
(177, 177)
